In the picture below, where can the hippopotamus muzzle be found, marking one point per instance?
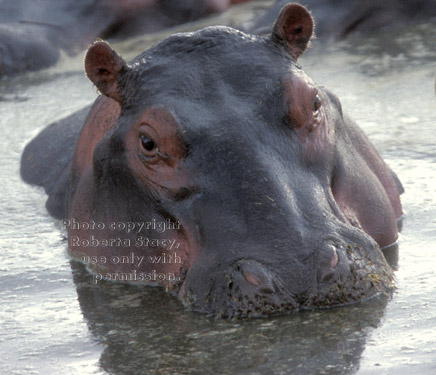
(283, 258)
(281, 202)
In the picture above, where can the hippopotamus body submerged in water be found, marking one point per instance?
(268, 197)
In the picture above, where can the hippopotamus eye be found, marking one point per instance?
(317, 103)
(149, 147)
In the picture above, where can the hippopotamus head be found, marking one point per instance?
(273, 200)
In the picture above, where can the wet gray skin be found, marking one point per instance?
(258, 202)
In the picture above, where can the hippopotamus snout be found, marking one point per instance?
(252, 288)
(245, 289)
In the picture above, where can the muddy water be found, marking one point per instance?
(54, 320)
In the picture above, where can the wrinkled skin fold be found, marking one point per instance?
(274, 201)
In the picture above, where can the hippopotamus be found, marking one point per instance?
(32, 33)
(213, 166)
(339, 18)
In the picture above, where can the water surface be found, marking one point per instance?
(54, 320)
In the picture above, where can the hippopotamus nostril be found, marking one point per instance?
(250, 278)
(257, 276)
(335, 259)
(329, 260)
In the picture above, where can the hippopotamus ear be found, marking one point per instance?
(104, 66)
(294, 28)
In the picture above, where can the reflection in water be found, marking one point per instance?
(145, 330)
(391, 254)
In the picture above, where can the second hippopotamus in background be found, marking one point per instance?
(32, 33)
(339, 18)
